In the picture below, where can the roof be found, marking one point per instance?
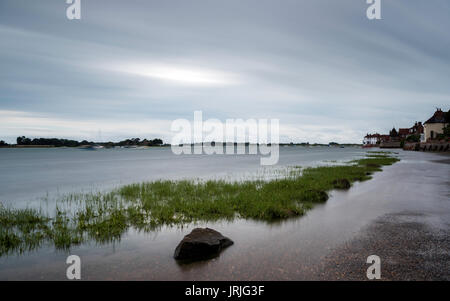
(417, 128)
(438, 117)
(372, 135)
(403, 131)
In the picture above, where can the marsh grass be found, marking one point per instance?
(105, 217)
(21, 230)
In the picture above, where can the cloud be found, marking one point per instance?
(33, 125)
(320, 67)
(175, 73)
(18, 123)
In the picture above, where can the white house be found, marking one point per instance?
(434, 126)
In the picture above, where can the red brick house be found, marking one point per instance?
(416, 129)
(403, 133)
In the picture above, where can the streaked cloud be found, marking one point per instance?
(175, 73)
(320, 67)
(43, 125)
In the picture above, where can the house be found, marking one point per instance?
(406, 133)
(375, 139)
(416, 129)
(436, 128)
(390, 141)
(371, 139)
(435, 125)
(384, 138)
(403, 133)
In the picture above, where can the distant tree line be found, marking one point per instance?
(47, 141)
(3, 143)
(135, 142)
(73, 143)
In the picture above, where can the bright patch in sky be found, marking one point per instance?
(178, 74)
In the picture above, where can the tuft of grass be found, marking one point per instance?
(21, 230)
(105, 217)
(9, 242)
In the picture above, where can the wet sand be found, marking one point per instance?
(407, 247)
(413, 244)
(401, 215)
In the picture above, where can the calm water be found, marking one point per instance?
(26, 174)
(288, 250)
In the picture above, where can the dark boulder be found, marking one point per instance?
(341, 184)
(201, 243)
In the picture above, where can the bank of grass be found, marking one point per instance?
(105, 217)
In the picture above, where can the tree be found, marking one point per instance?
(3, 143)
(413, 138)
(23, 141)
(47, 141)
(156, 142)
(446, 133)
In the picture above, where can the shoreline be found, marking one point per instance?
(104, 218)
(168, 145)
(79, 147)
(294, 249)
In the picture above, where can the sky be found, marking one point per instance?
(129, 68)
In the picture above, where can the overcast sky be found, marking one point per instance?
(129, 68)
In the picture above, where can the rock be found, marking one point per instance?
(341, 184)
(201, 243)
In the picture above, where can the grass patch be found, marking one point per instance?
(105, 217)
(21, 230)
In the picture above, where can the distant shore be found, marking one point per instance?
(81, 146)
(169, 145)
